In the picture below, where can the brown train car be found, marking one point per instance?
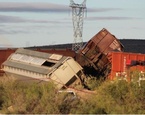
(4, 54)
(64, 52)
(123, 65)
(95, 53)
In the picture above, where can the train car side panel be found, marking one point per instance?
(124, 64)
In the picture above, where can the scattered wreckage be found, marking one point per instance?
(104, 56)
(101, 56)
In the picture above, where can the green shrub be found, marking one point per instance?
(93, 83)
(121, 97)
(110, 97)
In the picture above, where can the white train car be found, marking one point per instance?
(29, 65)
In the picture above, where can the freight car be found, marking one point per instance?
(5, 53)
(124, 64)
(93, 57)
(27, 65)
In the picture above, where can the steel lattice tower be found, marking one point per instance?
(77, 18)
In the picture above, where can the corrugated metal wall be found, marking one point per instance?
(125, 63)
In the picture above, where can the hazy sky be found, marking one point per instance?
(44, 22)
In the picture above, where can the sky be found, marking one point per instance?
(25, 23)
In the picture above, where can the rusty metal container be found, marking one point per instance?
(64, 52)
(4, 54)
(95, 53)
(124, 63)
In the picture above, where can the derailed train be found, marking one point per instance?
(97, 55)
(94, 56)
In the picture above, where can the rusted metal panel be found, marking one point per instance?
(95, 52)
(101, 41)
(4, 54)
(123, 63)
(64, 52)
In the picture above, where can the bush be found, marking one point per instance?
(121, 97)
(110, 97)
(93, 82)
(28, 98)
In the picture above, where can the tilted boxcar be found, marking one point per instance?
(95, 53)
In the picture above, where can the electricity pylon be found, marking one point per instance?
(77, 18)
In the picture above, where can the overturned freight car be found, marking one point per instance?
(94, 56)
(28, 65)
